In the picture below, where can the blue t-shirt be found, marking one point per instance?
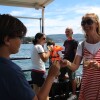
(13, 84)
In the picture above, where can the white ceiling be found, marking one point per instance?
(38, 4)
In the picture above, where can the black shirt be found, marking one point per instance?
(70, 47)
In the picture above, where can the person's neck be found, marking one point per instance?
(70, 38)
(93, 39)
(4, 53)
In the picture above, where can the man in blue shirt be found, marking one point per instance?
(13, 85)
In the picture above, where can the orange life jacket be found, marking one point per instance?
(54, 54)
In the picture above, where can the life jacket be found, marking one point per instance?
(54, 54)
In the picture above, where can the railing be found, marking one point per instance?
(28, 70)
(53, 94)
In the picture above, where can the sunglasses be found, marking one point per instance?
(44, 38)
(88, 22)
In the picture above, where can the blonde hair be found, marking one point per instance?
(96, 18)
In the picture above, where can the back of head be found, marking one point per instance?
(11, 27)
(50, 42)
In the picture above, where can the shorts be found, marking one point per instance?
(65, 70)
(38, 78)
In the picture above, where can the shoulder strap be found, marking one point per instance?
(82, 48)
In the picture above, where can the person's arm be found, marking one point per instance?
(45, 55)
(63, 51)
(73, 66)
(44, 91)
(75, 46)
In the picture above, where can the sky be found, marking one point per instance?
(59, 15)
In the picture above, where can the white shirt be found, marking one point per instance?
(92, 48)
(37, 62)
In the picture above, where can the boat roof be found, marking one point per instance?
(37, 4)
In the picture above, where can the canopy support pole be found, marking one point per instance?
(43, 19)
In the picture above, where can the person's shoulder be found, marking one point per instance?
(66, 40)
(81, 43)
(75, 41)
(38, 46)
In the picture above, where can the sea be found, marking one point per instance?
(25, 64)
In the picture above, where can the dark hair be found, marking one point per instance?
(50, 42)
(37, 36)
(11, 27)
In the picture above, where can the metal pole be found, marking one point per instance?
(26, 17)
(40, 25)
(43, 20)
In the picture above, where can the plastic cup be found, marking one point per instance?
(87, 60)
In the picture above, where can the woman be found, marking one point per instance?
(89, 50)
(38, 57)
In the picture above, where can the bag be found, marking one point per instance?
(59, 91)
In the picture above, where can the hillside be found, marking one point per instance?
(62, 37)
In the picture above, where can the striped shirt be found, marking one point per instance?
(90, 86)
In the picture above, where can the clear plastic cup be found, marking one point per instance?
(87, 60)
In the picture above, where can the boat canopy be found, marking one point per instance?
(37, 4)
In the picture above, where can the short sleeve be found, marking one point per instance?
(75, 44)
(39, 49)
(64, 43)
(79, 49)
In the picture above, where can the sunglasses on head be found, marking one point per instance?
(87, 21)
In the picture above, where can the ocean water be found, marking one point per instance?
(25, 52)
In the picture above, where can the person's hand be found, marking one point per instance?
(63, 63)
(49, 48)
(54, 69)
(95, 64)
(92, 63)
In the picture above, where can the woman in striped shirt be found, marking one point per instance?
(89, 51)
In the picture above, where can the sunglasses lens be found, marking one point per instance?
(83, 22)
(44, 38)
(88, 22)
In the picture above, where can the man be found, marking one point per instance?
(69, 53)
(13, 84)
